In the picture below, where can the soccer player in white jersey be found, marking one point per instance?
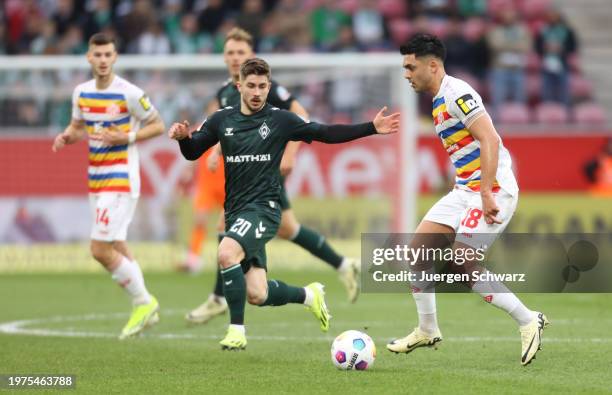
(109, 110)
(481, 203)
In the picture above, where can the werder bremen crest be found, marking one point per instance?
(264, 130)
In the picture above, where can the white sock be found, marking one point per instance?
(500, 296)
(241, 328)
(424, 296)
(344, 266)
(309, 299)
(426, 308)
(129, 277)
(217, 299)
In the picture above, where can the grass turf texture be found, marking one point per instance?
(286, 350)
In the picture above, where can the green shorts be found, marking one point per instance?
(284, 198)
(252, 228)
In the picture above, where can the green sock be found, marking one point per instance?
(218, 291)
(234, 288)
(317, 245)
(280, 294)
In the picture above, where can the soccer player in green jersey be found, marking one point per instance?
(237, 49)
(253, 138)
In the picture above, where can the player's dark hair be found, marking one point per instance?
(102, 38)
(424, 45)
(255, 66)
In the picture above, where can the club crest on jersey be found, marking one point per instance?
(467, 104)
(264, 130)
(229, 131)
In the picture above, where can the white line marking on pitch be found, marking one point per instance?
(21, 327)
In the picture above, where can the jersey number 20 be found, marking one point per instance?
(240, 227)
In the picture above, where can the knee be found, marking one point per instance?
(101, 252)
(258, 296)
(288, 230)
(226, 258)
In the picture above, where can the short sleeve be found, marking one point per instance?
(279, 96)
(76, 109)
(139, 104)
(466, 105)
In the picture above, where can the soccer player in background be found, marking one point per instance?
(237, 49)
(109, 110)
(253, 138)
(482, 201)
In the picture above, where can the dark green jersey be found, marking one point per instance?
(253, 146)
(229, 95)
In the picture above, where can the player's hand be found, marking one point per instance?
(212, 162)
(490, 208)
(179, 130)
(113, 136)
(386, 124)
(60, 141)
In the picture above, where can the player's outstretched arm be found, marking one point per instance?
(73, 133)
(192, 144)
(334, 134)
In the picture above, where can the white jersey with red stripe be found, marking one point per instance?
(111, 168)
(455, 107)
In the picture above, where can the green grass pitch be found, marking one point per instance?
(76, 317)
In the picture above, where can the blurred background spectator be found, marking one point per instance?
(509, 43)
(555, 43)
(521, 55)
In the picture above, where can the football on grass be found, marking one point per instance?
(353, 350)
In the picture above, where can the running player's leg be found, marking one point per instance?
(474, 232)
(264, 292)
(230, 255)
(315, 243)
(436, 230)
(113, 214)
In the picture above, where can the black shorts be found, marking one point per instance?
(252, 228)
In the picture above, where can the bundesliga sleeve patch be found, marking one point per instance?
(145, 102)
(467, 104)
(283, 93)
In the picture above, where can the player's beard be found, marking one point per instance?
(255, 109)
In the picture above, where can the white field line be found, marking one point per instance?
(24, 327)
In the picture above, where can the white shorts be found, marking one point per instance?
(462, 211)
(112, 214)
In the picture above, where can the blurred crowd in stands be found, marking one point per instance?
(521, 55)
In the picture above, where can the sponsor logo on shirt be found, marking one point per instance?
(467, 104)
(248, 158)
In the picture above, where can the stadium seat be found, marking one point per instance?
(580, 87)
(348, 6)
(401, 30)
(590, 114)
(552, 113)
(392, 8)
(532, 9)
(495, 7)
(513, 113)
